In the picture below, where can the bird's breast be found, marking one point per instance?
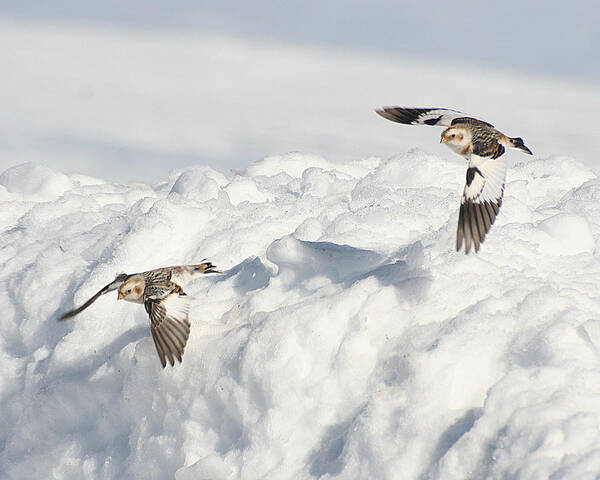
(135, 300)
(467, 150)
(459, 148)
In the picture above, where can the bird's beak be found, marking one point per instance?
(120, 296)
(443, 140)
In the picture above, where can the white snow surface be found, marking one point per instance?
(345, 339)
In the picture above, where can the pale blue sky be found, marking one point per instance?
(555, 37)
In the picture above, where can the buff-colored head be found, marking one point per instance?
(456, 138)
(132, 290)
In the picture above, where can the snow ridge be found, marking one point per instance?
(346, 338)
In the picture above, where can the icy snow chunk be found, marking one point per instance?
(568, 234)
(211, 467)
(417, 169)
(86, 180)
(319, 183)
(199, 183)
(242, 189)
(35, 182)
(200, 189)
(293, 164)
(585, 201)
(305, 259)
(309, 229)
(544, 181)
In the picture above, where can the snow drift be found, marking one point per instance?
(346, 338)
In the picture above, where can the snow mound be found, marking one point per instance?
(346, 338)
(35, 182)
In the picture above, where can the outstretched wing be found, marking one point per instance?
(116, 283)
(442, 117)
(169, 325)
(481, 200)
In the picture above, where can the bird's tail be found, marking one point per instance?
(206, 267)
(517, 143)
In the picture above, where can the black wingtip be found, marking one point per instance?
(396, 114)
(383, 112)
(407, 115)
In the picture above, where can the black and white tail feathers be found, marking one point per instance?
(518, 144)
(206, 267)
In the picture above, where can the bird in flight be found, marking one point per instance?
(161, 292)
(482, 145)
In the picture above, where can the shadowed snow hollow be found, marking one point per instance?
(346, 338)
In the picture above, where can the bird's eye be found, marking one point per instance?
(129, 291)
(452, 136)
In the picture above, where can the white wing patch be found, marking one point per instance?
(177, 307)
(421, 116)
(169, 325)
(481, 200)
(182, 276)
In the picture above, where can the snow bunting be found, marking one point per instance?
(482, 145)
(165, 301)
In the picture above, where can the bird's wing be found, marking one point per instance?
(116, 283)
(481, 200)
(169, 325)
(442, 117)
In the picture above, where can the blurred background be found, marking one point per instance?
(130, 90)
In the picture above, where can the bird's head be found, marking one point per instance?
(132, 290)
(456, 138)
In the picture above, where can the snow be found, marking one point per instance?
(345, 339)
